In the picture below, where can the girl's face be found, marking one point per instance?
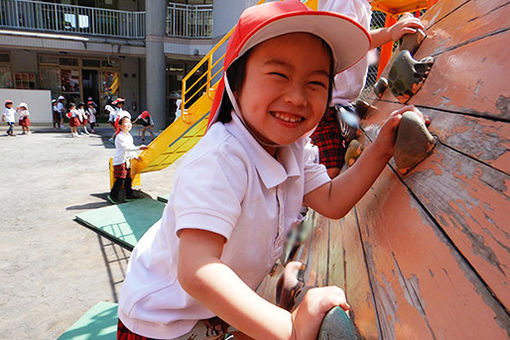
(285, 89)
(9, 105)
(125, 125)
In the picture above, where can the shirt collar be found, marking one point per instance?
(271, 171)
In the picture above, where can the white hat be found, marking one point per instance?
(60, 98)
(23, 105)
(348, 40)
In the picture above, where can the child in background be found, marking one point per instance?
(91, 113)
(9, 116)
(147, 123)
(83, 118)
(112, 118)
(338, 126)
(24, 120)
(240, 189)
(74, 121)
(61, 109)
(56, 114)
(125, 150)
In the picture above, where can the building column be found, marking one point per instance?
(155, 62)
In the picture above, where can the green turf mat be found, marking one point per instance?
(99, 323)
(125, 223)
(163, 199)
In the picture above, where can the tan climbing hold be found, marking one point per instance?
(353, 152)
(414, 142)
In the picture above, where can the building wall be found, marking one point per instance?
(129, 88)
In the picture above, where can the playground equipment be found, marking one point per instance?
(425, 253)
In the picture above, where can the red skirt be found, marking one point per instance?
(120, 171)
(328, 138)
(74, 121)
(24, 122)
(84, 122)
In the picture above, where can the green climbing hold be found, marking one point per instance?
(336, 325)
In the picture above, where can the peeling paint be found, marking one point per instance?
(503, 105)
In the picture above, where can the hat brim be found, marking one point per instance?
(348, 40)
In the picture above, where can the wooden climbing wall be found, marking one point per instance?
(427, 255)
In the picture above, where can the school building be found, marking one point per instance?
(136, 49)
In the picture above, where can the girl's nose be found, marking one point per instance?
(296, 95)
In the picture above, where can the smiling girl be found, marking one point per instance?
(240, 189)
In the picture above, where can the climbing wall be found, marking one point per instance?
(426, 255)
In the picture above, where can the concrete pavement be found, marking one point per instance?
(52, 268)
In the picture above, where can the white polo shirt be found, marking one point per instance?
(349, 83)
(125, 149)
(230, 185)
(9, 114)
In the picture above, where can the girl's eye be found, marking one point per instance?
(319, 83)
(278, 74)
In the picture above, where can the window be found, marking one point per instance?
(25, 80)
(68, 61)
(4, 58)
(5, 76)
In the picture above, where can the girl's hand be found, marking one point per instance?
(407, 24)
(143, 147)
(317, 302)
(385, 140)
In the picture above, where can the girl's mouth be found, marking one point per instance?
(287, 117)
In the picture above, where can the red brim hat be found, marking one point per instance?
(348, 40)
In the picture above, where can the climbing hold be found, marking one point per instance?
(411, 42)
(353, 152)
(289, 283)
(380, 86)
(407, 75)
(362, 108)
(336, 325)
(414, 142)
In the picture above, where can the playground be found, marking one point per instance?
(423, 255)
(54, 269)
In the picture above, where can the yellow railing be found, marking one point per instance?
(194, 90)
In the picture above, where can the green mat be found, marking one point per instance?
(125, 223)
(99, 323)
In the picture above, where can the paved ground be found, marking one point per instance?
(52, 269)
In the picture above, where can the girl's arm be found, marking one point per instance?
(336, 198)
(406, 24)
(205, 277)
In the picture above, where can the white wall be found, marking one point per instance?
(38, 101)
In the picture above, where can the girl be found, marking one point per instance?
(82, 116)
(24, 121)
(125, 150)
(8, 116)
(91, 113)
(74, 121)
(147, 123)
(240, 189)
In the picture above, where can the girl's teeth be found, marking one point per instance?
(287, 119)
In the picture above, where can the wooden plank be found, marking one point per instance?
(423, 288)
(316, 273)
(483, 139)
(470, 200)
(473, 20)
(441, 10)
(469, 79)
(348, 270)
